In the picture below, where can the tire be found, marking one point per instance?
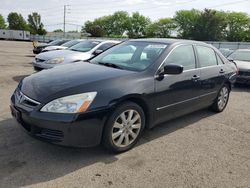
(221, 100)
(125, 118)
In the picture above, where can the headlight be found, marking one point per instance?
(70, 104)
(56, 61)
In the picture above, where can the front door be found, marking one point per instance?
(178, 94)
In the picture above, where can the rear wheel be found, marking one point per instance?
(221, 101)
(123, 128)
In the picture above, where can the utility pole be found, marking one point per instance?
(64, 18)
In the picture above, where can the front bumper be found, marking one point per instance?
(42, 65)
(77, 130)
(37, 50)
(243, 77)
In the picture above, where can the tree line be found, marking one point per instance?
(205, 25)
(17, 22)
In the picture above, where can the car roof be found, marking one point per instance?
(170, 41)
(103, 40)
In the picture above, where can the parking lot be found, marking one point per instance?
(202, 149)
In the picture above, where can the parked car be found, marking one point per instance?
(58, 42)
(134, 85)
(63, 46)
(79, 52)
(242, 59)
(226, 51)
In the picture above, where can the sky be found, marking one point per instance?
(79, 11)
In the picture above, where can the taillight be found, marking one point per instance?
(237, 69)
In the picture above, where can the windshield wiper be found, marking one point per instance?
(110, 65)
(74, 50)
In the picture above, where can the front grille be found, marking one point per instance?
(244, 73)
(24, 100)
(38, 60)
(51, 135)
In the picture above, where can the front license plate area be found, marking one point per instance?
(16, 114)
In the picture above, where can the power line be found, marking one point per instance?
(230, 3)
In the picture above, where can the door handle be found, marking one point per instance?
(195, 78)
(222, 71)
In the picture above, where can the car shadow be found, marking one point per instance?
(174, 125)
(30, 55)
(27, 161)
(19, 78)
(241, 88)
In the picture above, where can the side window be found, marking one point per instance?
(206, 56)
(105, 46)
(220, 62)
(182, 55)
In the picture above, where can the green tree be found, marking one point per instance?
(35, 24)
(238, 26)
(119, 22)
(209, 26)
(137, 25)
(16, 21)
(161, 28)
(94, 29)
(111, 26)
(186, 21)
(58, 31)
(2, 22)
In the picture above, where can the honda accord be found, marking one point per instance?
(112, 98)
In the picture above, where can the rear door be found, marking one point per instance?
(211, 73)
(177, 94)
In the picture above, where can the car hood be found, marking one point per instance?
(80, 76)
(68, 55)
(243, 65)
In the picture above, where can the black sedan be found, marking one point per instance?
(59, 42)
(113, 97)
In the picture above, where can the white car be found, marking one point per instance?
(79, 52)
(64, 46)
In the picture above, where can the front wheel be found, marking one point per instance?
(221, 101)
(124, 127)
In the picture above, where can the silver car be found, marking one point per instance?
(79, 52)
(242, 59)
(64, 46)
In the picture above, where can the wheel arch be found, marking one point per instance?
(141, 101)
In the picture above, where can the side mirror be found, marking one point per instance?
(173, 69)
(230, 59)
(97, 52)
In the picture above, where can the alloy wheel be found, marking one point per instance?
(223, 98)
(126, 128)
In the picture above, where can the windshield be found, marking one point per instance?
(135, 56)
(57, 42)
(84, 46)
(71, 43)
(240, 55)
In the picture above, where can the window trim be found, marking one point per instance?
(170, 52)
(218, 57)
